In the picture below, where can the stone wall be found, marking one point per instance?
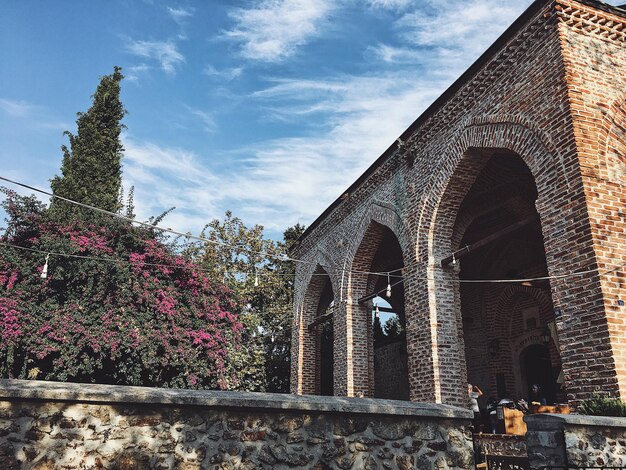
(500, 444)
(48, 425)
(575, 441)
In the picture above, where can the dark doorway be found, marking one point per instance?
(537, 369)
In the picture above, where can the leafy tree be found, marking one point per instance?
(146, 316)
(262, 281)
(91, 168)
(393, 328)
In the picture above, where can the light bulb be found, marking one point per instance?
(44, 271)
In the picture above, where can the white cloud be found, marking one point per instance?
(277, 28)
(282, 181)
(164, 52)
(164, 177)
(391, 4)
(133, 72)
(466, 25)
(396, 55)
(206, 120)
(224, 74)
(18, 108)
(180, 14)
(37, 116)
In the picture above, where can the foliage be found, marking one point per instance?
(393, 328)
(133, 319)
(91, 168)
(262, 281)
(600, 405)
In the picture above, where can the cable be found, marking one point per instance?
(246, 273)
(169, 230)
(113, 260)
(282, 257)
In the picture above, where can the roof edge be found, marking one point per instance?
(491, 51)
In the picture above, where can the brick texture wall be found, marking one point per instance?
(549, 93)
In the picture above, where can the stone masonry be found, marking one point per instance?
(47, 425)
(549, 91)
(576, 441)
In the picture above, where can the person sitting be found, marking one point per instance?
(536, 395)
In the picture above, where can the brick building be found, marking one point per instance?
(516, 172)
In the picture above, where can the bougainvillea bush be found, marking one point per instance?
(139, 315)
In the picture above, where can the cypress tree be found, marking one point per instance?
(91, 168)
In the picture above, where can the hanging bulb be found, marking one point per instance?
(256, 279)
(388, 293)
(376, 311)
(44, 271)
(453, 259)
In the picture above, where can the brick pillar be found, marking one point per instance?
(352, 371)
(418, 333)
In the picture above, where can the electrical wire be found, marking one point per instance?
(282, 257)
(181, 234)
(143, 263)
(251, 273)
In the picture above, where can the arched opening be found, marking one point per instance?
(325, 338)
(381, 304)
(390, 353)
(497, 236)
(315, 362)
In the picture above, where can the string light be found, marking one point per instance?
(376, 311)
(269, 255)
(389, 286)
(256, 278)
(44, 271)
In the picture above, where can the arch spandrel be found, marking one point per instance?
(383, 213)
(319, 260)
(468, 155)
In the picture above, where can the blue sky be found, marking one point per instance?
(269, 108)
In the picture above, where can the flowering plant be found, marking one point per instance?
(117, 305)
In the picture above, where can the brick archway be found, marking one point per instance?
(305, 367)
(466, 159)
(353, 340)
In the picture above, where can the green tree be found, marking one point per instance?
(256, 270)
(393, 328)
(91, 168)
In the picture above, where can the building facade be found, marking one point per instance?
(498, 220)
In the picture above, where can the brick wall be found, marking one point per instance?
(390, 371)
(594, 54)
(547, 92)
